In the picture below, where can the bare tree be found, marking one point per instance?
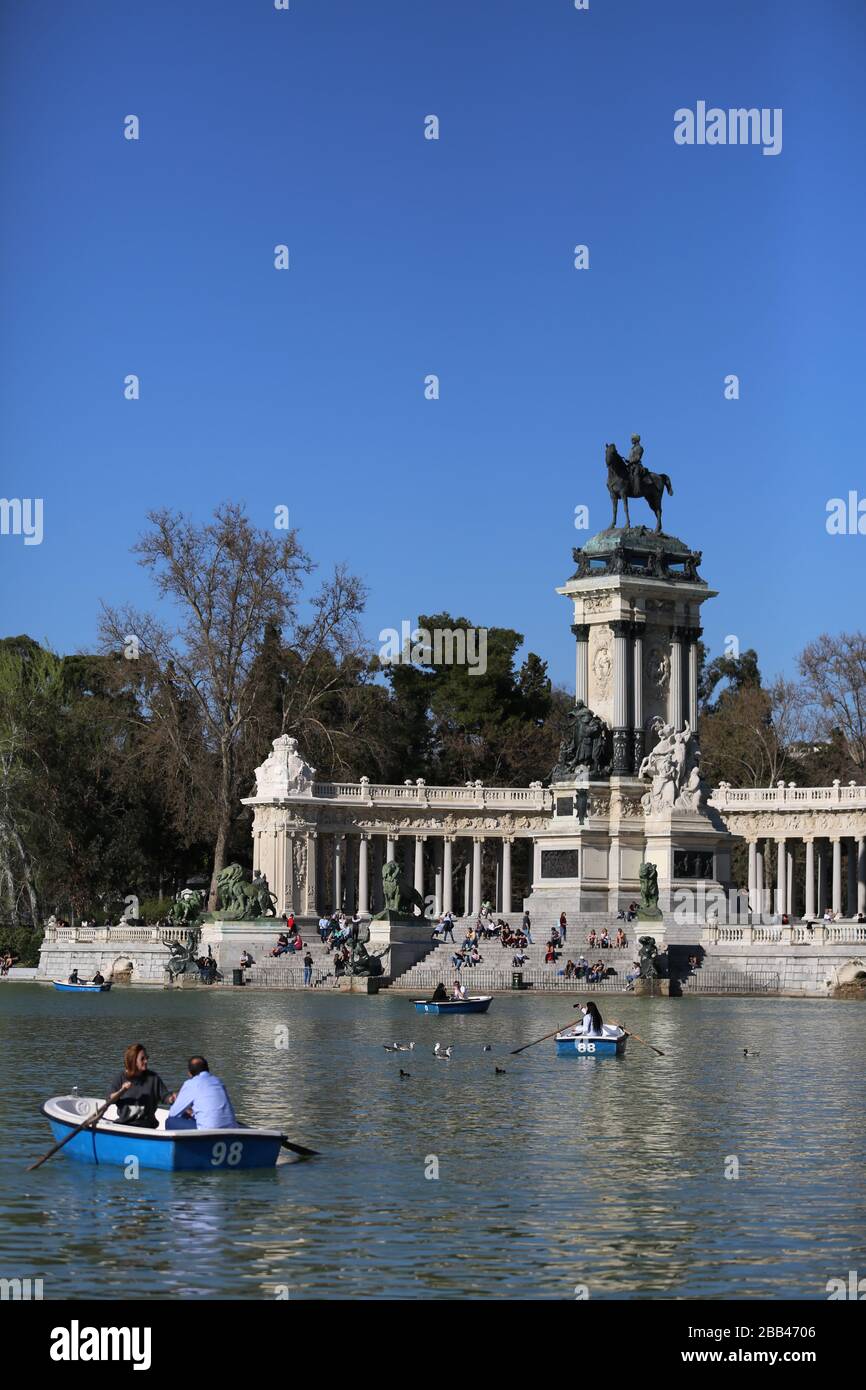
(203, 677)
(834, 676)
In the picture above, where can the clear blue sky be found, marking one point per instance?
(454, 257)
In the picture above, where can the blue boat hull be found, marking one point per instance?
(208, 1151)
(577, 1046)
(81, 989)
(454, 1006)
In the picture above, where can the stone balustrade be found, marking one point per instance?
(797, 934)
(469, 798)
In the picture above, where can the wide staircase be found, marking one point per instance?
(287, 971)
(495, 971)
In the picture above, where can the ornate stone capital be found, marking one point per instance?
(581, 631)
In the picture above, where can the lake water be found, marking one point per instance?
(563, 1172)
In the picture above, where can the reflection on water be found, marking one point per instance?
(564, 1171)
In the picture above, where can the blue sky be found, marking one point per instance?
(306, 388)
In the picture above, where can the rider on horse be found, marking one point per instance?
(635, 466)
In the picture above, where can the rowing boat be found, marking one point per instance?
(573, 1042)
(473, 1004)
(173, 1150)
(82, 988)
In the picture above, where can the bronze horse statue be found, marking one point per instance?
(625, 482)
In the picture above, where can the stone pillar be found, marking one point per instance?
(408, 860)
(753, 876)
(467, 890)
(781, 878)
(338, 872)
(506, 879)
(759, 876)
(821, 847)
(391, 850)
(312, 877)
(622, 750)
(581, 680)
(694, 635)
(789, 888)
(638, 734)
(349, 875)
(447, 875)
(810, 879)
(837, 875)
(861, 875)
(363, 876)
(437, 877)
(476, 874)
(851, 902)
(419, 868)
(377, 901)
(675, 694)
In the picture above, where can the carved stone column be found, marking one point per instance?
(837, 875)
(419, 866)
(581, 681)
(821, 848)
(810, 879)
(675, 694)
(391, 851)
(781, 877)
(338, 872)
(622, 749)
(638, 733)
(447, 875)
(851, 900)
(349, 874)
(476, 874)
(437, 877)
(759, 875)
(753, 875)
(861, 874)
(312, 876)
(694, 634)
(363, 876)
(506, 878)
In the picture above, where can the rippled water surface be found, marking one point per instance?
(609, 1173)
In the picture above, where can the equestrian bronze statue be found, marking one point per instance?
(628, 478)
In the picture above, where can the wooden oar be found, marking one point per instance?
(298, 1148)
(560, 1029)
(91, 1120)
(636, 1038)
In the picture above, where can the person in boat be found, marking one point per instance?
(98, 979)
(593, 1025)
(137, 1091)
(458, 991)
(73, 978)
(440, 994)
(202, 1102)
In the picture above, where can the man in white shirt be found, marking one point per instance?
(205, 1097)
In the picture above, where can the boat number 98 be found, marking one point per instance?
(227, 1153)
(586, 1047)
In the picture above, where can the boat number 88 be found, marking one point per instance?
(227, 1153)
(586, 1047)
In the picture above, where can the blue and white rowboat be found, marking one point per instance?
(572, 1042)
(82, 988)
(173, 1150)
(473, 1004)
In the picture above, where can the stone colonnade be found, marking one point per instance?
(823, 883)
(316, 870)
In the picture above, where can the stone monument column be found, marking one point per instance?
(363, 876)
(753, 875)
(349, 875)
(419, 865)
(781, 877)
(312, 876)
(391, 850)
(694, 636)
(447, 875)
(622, 751)
(759, 875)
(581, 682)
(861, 874)
(338, 872)
(638, 733)
(437, 877)
(837, 875)
(810, 878)
(822, 877)
(851, 902)
(476, 874)
(675, 697)
(506, 878)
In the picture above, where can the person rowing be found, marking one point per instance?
(593, 1025)
(137, 1091)
(202, 1102)
(440, 994)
